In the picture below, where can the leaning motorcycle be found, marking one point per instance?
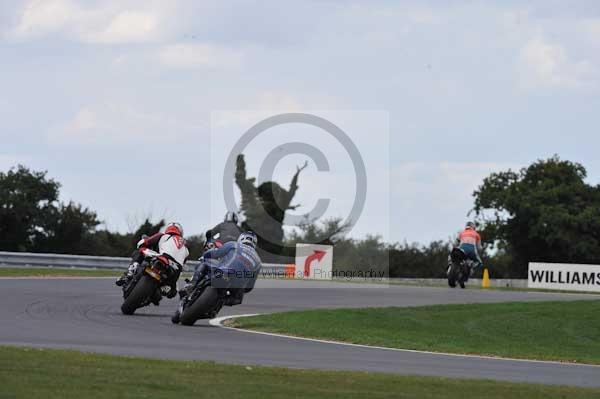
(459, 268)
(150, 281)
(215, 287)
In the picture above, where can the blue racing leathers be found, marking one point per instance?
(233, 265)
(471, 251)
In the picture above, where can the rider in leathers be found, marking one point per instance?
(239, 256)
(169, 243)
(228, 230)
(469, 241)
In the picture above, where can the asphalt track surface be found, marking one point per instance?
(84, 314)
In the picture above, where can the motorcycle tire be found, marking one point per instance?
(144, 288)
(451, 276)
(200, 308)
(176, 318)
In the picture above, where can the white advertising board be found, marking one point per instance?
(563, 276)
(314, 261)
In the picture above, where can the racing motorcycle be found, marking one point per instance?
(150, 281)
(215, 287)
(459, 268)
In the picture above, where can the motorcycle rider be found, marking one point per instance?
(170, 240)
(228, 230)
(235, 255)
(470, 243)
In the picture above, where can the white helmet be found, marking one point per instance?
(248, 238)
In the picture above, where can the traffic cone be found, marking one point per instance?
(485, 282)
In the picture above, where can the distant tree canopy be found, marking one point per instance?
(545, 212)
(26, 200)
(33, 220)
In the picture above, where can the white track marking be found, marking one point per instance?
(218, 322)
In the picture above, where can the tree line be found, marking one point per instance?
(544, 212)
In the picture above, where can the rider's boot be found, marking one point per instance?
(127, 275)
(187, 288)
(156, 297)
(169, 291)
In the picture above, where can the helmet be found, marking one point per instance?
(212, 245)
(470, 225)
(248, 238)
(174, 228)
(231, 217)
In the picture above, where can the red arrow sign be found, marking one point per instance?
(318, 255)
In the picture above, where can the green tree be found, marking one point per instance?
(69, 230)
(545, 212)
(32, 219)
(28, 200)
(147, 228)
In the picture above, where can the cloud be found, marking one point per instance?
(129, 26)
(108, 22)
(432, 199)
(591, 27)
(547, 65)
(43, 17)
(185, 55)
(267, 103)
(110, 123)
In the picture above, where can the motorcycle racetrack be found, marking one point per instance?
(84, 314)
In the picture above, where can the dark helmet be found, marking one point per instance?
(231, 217)
(471, 226)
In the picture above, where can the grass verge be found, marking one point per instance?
(35, 373)
(565, 331)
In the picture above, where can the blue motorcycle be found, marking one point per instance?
(212, 287)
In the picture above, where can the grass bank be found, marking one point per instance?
(34, 373)
(565, 331)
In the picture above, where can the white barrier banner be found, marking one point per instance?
(314, 261)
(563, 276)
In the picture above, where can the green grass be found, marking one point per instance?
(566, 331)
(48, 374)
(55, 272)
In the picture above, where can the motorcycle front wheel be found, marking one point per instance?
(451, 276)
(203, 305)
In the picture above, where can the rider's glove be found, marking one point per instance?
(172, 292)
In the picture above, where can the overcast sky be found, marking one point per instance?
(115, 98)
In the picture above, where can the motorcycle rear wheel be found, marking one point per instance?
(144, 288)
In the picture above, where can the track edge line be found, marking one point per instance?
(218, 322)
